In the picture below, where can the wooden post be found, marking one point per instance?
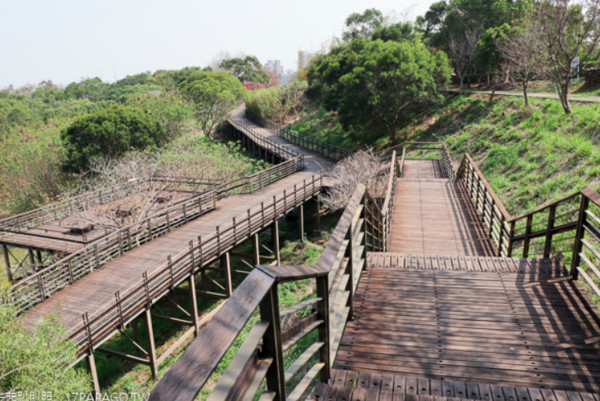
(350, 271)
(275, 238)
(32, 259)
(324, 329)
(272, 344)
(302, 223)
(256, 249)
(527, 234)
(7, 262)
(578, 245)
(91, 364)
(151, 345)
(226, 267)
(501, 235)
(548, 243)
(318, 214)
(194, 302)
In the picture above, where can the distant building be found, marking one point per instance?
(304, 59)
(274, 66)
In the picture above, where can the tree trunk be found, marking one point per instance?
(525, 93)
(461, 84)
(564, 96)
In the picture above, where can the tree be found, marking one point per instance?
(433, 19)
(247, 69)
(29, 359)
(214, 94)
(363, 25)
(110, 132)
(377, 86)
(524, 52)
(569, 29)
(462, 50)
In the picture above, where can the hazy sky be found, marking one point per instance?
(66, 40)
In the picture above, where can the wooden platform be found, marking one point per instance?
(360, 386)
(423, 169)
(505, 328)
(436, 216)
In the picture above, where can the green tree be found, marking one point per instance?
(214, 94)
(378, 86)
(36, 360)
(247, 69)
(363, 25)
(109, 133)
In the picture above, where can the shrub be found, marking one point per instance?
(109, 133)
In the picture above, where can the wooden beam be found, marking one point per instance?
(272, 343)
(91, 364)
(256, 249)
(226, 267)
(151, 345)
(123, 355)
(7, 262)
(275, 236)
(194, 301)
(302, 223)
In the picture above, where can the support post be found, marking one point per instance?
(275, 237)
(318, 214)
(32, 259)
(226, 267)
(7, 263)
(527, 236)
(578, 245)
(548, 243)
(194, 302)
(302, 223)
(151, 345)
(324, 329)
(256, 249)
(272, 344)
(91, 364)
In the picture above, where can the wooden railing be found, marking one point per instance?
(154, 284)
(568, 229)
(34, 289)
(282, 151)
(424, 150)
(495, 217)
(333, 152)
(261, 356)
(23, 222)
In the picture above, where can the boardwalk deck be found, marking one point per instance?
(97, 290)
(440, 308)
(433, 215)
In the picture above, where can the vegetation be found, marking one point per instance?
(214, 93)
(35, 361)
(278, 104)
(247, 69)
(529, 156)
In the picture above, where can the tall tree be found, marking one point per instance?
(569, 29)
(462, 48)
(378, 86)
(525, 54)
(362, 25)
(247, 69)
(214, 94)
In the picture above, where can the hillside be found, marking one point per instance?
(530, 156)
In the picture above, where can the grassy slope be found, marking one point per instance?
(530, 155)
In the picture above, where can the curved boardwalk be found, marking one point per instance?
(97, 290)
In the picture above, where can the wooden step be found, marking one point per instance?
(346, 385)
(408, 261)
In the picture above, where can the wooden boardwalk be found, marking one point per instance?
(440, 311)
(436, 215)
(97, 290)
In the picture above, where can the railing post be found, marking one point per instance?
(511, 234)
(527, 236)
(272, 343)
(548, 243)
(578, 245)
(501, 235)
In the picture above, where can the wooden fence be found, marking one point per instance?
(35, 288)
(568, 229)
(332, 152)
(153, 285)
(335, 276)
(422, 150)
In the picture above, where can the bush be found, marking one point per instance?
(277, 103)
(109, 133)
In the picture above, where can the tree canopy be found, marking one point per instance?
(247, 69)
(214, 94)
(376, 86)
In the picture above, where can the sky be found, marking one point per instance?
(67, 40)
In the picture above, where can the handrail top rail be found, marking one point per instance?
(407, 143)
(388, 192)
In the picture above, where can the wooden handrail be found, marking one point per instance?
(189, 374)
